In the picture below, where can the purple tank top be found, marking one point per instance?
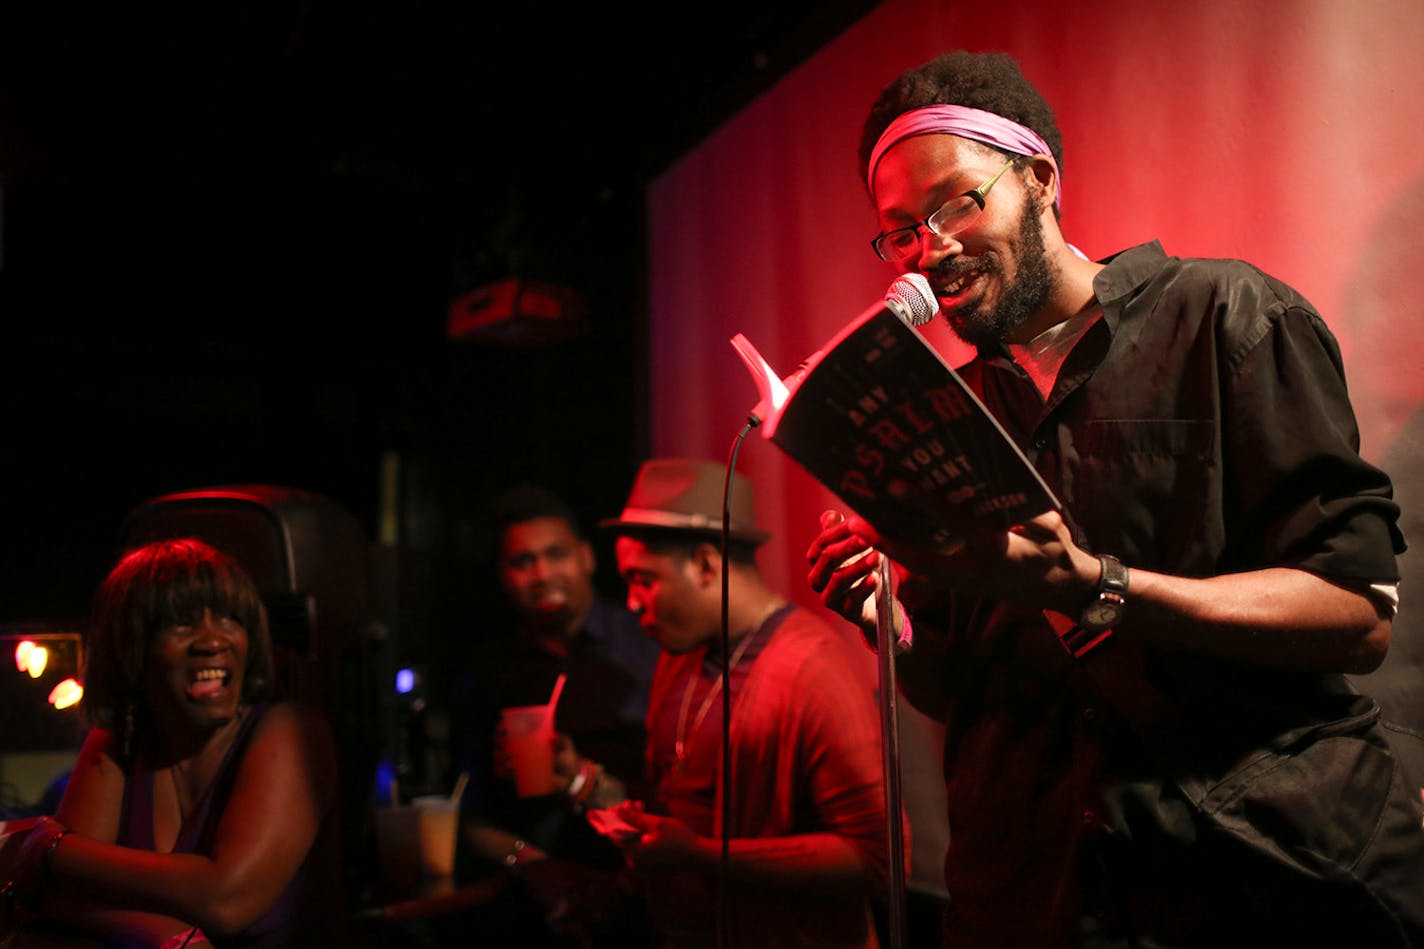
(310, 908)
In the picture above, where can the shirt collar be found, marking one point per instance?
(1124, 272)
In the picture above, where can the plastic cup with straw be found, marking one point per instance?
(529, 742)
(398, 842)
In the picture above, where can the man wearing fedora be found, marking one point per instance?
(807, 853)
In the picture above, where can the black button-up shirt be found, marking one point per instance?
(1201, 427)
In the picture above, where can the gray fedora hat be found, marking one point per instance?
(685, 495)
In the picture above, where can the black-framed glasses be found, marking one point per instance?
(949, 219)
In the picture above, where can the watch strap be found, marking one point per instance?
(1113, 578)
(1081, 640)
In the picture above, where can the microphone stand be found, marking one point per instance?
(890, 749)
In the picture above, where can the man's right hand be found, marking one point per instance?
(1034, 564)
(845, 572)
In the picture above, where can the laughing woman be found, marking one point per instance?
(199, 810)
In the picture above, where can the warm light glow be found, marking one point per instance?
(66, 693)
(31, 657)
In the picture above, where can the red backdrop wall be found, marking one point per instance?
(1289, 132)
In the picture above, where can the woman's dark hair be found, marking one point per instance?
(992, 82)
(162, 584)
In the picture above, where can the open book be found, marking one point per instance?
(879, 405)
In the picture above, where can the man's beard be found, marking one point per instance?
(1019, 299)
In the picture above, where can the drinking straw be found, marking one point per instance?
(554, 698)
(460, 783)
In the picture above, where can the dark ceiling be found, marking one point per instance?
(518, 114)
(232, 230)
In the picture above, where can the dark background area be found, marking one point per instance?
(232, 233)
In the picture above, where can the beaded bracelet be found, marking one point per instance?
(579, 780)
(582, 786)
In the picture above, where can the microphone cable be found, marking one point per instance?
(910, 298)
(723, 894)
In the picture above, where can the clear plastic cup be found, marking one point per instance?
(438, 828)
(529, 743)
(398, 839)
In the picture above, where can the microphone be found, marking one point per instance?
(910, 298)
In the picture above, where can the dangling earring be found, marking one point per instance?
(128, 729)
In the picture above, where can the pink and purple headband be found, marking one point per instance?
(976, 124)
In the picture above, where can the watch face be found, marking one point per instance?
(1102, 613)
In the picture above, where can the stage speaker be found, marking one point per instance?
(309, 557)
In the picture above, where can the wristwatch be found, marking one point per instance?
(1105, 610)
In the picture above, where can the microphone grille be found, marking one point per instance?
(912, 291)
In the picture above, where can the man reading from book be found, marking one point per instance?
(1150, 736)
